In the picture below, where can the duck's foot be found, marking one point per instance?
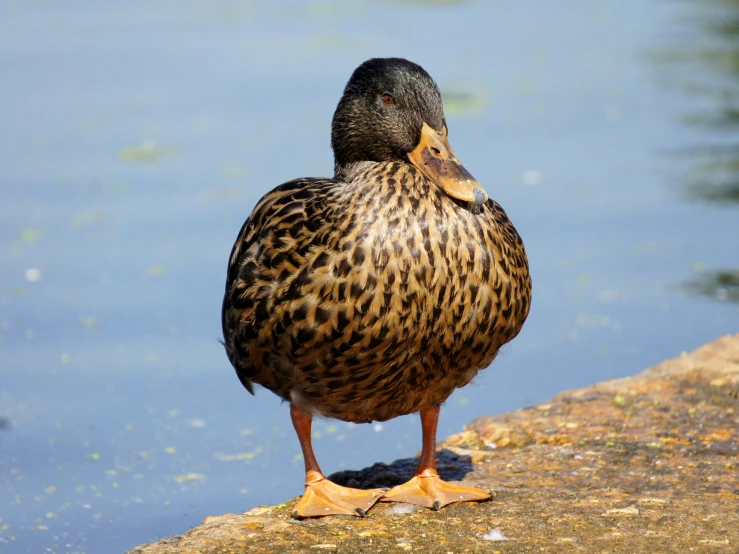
(324, 498)
(428, 490)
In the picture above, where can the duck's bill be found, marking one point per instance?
(436, 159)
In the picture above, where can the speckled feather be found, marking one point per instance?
(373, 298)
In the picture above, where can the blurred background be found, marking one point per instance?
(136, 137)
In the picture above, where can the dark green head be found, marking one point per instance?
(391, 110)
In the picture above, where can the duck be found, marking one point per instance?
(378, 292)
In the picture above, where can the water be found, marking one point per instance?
(136, 139)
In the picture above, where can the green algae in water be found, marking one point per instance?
(458, 102)
(148, 151)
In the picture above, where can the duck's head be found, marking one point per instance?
(391, 110)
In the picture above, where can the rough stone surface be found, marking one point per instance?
(648, 463)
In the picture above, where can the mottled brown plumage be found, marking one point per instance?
(374, 294)
(372, 299)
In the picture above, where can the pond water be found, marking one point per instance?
(137, 137)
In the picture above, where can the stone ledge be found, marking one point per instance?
(648, 463)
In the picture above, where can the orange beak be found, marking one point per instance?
(435, 158)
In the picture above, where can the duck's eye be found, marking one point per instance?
(387, 98)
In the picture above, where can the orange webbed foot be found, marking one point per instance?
(426, 489)
(324, 498)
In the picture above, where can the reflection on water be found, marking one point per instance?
(719, 284)
(713, 78)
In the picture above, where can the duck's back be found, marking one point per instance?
(372, 299)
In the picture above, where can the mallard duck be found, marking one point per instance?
(378, 292)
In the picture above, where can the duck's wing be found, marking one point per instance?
(271, 248)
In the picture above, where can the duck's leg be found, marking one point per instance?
(426, 487)
(322, 497)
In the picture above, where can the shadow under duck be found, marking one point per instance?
(376, 293)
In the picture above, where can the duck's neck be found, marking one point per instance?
(354, 170)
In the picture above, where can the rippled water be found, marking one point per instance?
(136, 138)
